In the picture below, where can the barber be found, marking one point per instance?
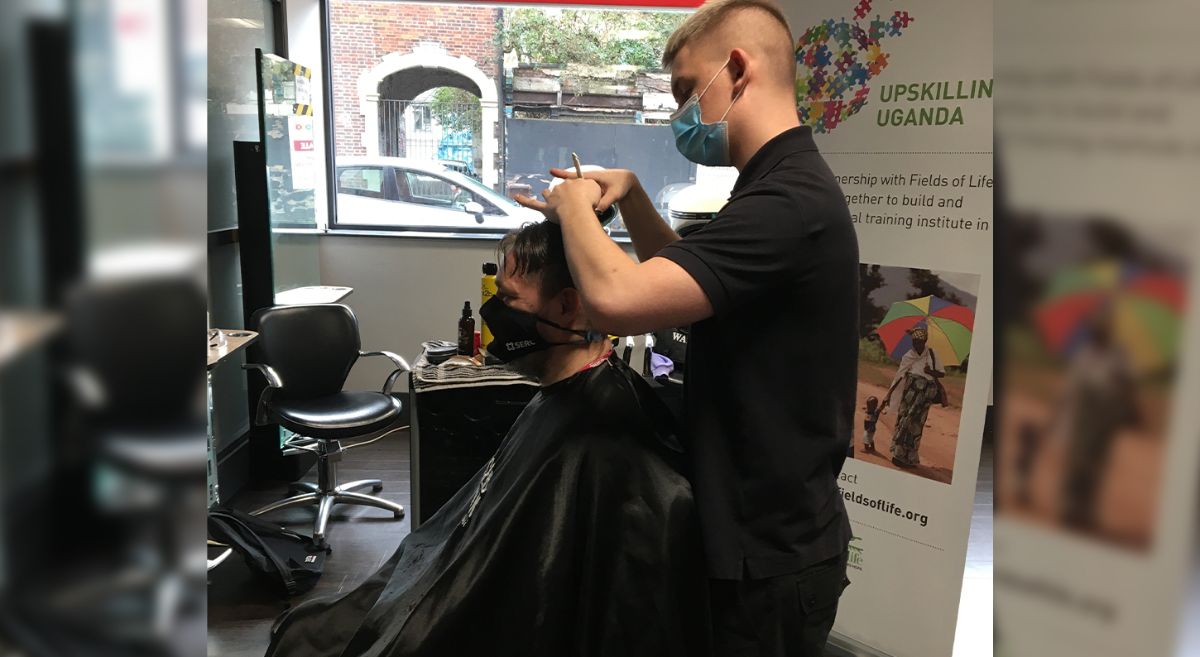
(770, 287)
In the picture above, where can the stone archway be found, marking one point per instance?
(428, 66)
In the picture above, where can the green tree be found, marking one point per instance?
(928, 283)
(869, 314)
(456, 110)
(589, 37)
(870, 350)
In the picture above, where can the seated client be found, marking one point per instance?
(577, 538)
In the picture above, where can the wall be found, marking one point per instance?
(361, 33)
(406, 291)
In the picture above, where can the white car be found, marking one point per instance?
(423, 195)
(695, 205)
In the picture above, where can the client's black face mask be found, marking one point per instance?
(515, 332)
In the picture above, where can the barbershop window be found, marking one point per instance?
(443, 113)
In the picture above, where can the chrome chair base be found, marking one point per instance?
(327, 492)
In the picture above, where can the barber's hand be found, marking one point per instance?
(581, 194)
(614, 183)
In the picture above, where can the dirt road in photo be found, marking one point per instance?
(940, 439)
(1129, 493)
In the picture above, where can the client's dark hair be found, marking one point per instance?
(537, 249)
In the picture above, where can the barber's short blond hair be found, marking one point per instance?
(709, 16)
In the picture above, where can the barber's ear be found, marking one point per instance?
(739, 69)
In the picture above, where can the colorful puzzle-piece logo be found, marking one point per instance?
(860, 36)
(876, 31)
(841, 34)
(836, 60)
(833, 115)
(876, 67)
(845, 62)
(824, 57)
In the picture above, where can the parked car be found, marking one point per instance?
(465, 168)
(529, 184)
(696, 205)
(662, 200)
(420, 194)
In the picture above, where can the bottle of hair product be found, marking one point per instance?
(487, 291)
(466, 331)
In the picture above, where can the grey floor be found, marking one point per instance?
(240, 611)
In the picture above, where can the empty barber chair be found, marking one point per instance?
(132, 363)
(306, 352)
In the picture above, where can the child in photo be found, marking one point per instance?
(872, 409)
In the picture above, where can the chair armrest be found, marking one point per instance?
(268, 372)
(402, 367)
(86, 386)
(274, 382)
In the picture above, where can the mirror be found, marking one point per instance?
(475, 208)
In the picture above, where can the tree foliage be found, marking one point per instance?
(928, 283)
(870, 350)
(590, 37)
(869, 314)
(456, 110)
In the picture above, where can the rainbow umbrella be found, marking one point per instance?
(949, 325)
(1146, 306)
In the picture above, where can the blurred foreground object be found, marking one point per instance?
(101, 156)
(1098, 440)
(123, 565)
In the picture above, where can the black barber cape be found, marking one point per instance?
(579, 538)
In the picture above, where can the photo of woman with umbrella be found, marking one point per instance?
(919, 373)
(1088, 397)
(912, 368)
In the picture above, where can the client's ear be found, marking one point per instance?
(570, 305)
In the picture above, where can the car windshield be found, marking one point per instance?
(478, 187)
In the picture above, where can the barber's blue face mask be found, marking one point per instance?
(700, 142)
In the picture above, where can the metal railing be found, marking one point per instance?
(432, 131)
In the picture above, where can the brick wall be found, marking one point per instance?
(361, 33)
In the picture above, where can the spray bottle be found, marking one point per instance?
(466, 331)
(487, 290)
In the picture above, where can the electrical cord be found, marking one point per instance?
(376, 438)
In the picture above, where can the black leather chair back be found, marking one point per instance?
(141, 340)
(312, 347)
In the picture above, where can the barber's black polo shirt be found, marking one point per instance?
(770, 384)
